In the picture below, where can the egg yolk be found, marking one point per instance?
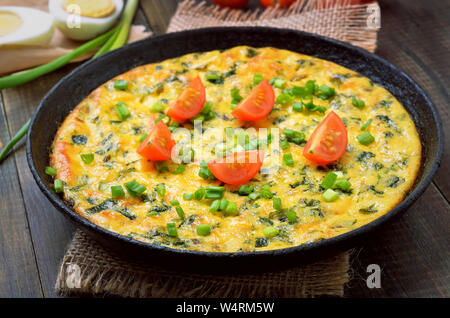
(91, 9)
(9, 22)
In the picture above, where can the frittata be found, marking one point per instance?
(100, 156)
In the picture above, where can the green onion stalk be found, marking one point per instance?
(109, 41)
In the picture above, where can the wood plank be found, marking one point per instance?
(420, 46)
(51, 232)
(158, 13)
(411, 251)
(19, 275)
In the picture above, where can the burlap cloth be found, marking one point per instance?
(88, 268)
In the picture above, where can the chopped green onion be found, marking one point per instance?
(143, 137)
(187, 154)
(343, 184)
(284, 143)
(134, 188)
(160, 117)
(203, 229)
(157, 107)
(174, 202)
(271, 231)
(180, 211)
(172, 230)
(265, 192)
(161, 189)
(235, 97)
(326, 92)
(121, 85)
(215, 205)
(51, 171)
(276, 203)
(292, 217)
(199, 194)
(364, 127)
(297, 107)
(245, 189)
(257, 78)
(288, 160)
(87, 158)
(278, 82)
(231, 209)
(117, 191)
(179, 169)
(214, 192)
(330, 195)
(283, 99)
(254, 196)
(223, 204)
(358, 103)
(161, 166)
(213, 77)
(294, 136)
(365, 138)
(329, 180)
(122, 110)
(58, 185)
(312, 108)
(187, 196)
(204, 171)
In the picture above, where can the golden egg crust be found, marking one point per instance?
(380, 173)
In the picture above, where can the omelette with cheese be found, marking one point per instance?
(144, 154)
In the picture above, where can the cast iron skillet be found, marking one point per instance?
(70, 90)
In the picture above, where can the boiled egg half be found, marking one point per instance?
(27, 26)
(84, 19)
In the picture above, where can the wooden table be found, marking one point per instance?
(412, 250)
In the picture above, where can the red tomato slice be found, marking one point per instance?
(237, 168)
(271, 3)
(258, 104)
(190, 102)
(235, 4)
(158, 144)
(328, 141)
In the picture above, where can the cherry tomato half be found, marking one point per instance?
(190, 102)
(234, 4)
(158, 144)
(328, 141)
(271, 3)
(258, 104)
(237, 168)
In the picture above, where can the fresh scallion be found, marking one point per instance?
(58, 185)
(288, 160)
(365, 138)
(51, 171)
(161, 189)
(271, 231)
(121, 85)
(87, 157)
(330, 195)
(276, 203)
(180, 212)
(203, 229)
(134, 188)
(172, 230)
(122, 110)
(329, 180)
(231, 209)
(117, 191)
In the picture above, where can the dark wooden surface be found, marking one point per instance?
(413, 250)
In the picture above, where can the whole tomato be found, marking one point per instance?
(271, 3)
(234, 4)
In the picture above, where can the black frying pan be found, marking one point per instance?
(74, 87)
